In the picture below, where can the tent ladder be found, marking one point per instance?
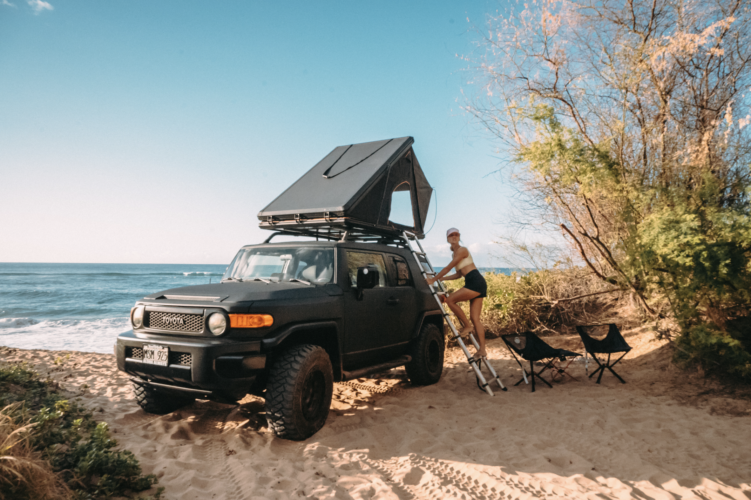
(438, 288)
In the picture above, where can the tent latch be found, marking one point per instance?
(327, 216)
(270, 220)
(299, 218)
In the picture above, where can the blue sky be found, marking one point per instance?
(153, 132)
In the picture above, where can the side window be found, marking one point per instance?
(399, 271)
(360, 259)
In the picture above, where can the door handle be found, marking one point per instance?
(392, 301)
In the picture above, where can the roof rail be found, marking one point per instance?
(351, 233)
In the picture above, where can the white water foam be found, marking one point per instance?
(98, 335)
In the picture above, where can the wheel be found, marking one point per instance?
(158, 402)
(426, 366)
(298, 392)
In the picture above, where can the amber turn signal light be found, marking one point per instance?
(250, 320)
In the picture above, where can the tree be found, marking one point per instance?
(628, 123)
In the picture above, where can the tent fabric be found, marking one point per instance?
(613, 341)
(356, 183)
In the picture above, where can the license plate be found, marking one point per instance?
(156, 355)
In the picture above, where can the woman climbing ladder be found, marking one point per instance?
(474, 290)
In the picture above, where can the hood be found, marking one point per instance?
(249, 291)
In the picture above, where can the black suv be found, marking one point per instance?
(286, 321)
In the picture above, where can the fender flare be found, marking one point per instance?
(425, 315)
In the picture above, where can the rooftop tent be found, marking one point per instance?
(352, 187)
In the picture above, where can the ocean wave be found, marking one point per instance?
(16, 322)
(98, 335)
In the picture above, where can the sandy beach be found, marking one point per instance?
(666, 434)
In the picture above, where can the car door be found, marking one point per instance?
(370, 316)
(402, 299)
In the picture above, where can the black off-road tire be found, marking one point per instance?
(156, 402)
(427, 352)
(298, 392)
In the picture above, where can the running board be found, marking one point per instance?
(362, 372)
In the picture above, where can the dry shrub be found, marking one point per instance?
(554, 300)
(23, 472)
(549, 293)
(551, 301)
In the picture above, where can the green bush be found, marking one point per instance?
(715, 351)
(78, 448)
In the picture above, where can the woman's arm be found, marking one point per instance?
(454, 276)
(450, 277)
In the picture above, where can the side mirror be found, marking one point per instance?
(367, 277)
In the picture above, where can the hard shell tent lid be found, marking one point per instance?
(352, 187)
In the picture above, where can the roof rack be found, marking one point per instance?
(337, 230)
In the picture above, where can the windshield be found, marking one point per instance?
(312, 265)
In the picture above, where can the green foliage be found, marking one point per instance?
(715, 350)
(697, 252)
(77, 447)
(683, 239)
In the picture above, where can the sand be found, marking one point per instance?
(665, 434)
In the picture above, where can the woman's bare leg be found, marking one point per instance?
(475, 310)
(460, 296)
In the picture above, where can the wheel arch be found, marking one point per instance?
(429, 317)
(324, 334)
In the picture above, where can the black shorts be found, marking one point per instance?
(476, 282)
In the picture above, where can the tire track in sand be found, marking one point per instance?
(417, 477)
(215, 452)
(480, 484)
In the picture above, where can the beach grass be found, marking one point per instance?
(52, 448)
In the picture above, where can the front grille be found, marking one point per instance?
(176, 322)
(175, 358)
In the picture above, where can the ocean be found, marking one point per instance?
(84, 307)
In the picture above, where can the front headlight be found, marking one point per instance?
(136, 316)
(217, 323)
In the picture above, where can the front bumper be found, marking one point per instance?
(221, 368)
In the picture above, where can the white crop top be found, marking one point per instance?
(465, 261)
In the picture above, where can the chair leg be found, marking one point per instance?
(532, 376)
(602, 370)
(616, 375)
(545, 381)
(548, 366)
(600, 367)
(558, 370)
(595, 372)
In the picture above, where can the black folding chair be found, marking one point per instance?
(613, 343)
(532, 348)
